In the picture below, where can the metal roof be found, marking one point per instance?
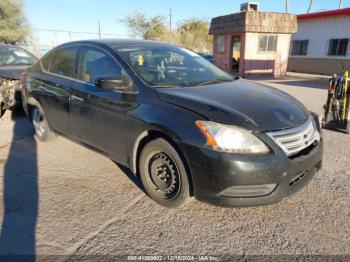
(337, 12)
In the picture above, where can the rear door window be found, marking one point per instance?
(95, 64)
(62, 62)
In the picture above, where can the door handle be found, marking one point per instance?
(76, 98)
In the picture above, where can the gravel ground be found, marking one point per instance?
(64, 199)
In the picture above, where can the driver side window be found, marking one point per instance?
(95, 64)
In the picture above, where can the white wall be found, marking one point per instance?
(319, 31)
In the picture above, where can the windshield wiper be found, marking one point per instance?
(167, 86)
(214, 81)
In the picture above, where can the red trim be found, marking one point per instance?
(345, 11)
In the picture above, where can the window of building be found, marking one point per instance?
(338, 47)
(299, 47)
(220, 43)
(267, 43)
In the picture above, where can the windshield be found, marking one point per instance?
(15, 56)
(167, 66)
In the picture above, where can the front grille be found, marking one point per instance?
(294, 140)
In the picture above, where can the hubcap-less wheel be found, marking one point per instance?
(164, 175)
(38, 122)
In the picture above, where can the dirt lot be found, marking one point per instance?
(62, 198)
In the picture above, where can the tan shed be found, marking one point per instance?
(252, 42)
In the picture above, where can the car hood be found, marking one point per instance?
(12, 72)
(242, 103)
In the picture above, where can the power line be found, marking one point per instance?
(77, 32)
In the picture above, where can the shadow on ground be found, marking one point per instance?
(135, 179)
(20, 193)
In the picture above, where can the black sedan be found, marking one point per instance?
(181, 124)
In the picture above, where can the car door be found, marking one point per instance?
(54, 86)
(100, 116)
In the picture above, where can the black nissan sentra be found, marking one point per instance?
(180, 123)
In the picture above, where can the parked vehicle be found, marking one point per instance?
(207, 56)
(13, 62)
(179, 122)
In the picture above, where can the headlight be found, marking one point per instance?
(231, 139)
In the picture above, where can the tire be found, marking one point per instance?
(163, 174)
(2, 111)
(41, 126)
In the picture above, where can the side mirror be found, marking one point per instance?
(114, 83)
(110, 83)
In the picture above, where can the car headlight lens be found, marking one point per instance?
(231, 139)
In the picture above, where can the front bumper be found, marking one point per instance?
(214, 173)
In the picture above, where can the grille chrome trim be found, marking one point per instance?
(294, 140)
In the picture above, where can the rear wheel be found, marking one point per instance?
(163, 174)
(41, 126)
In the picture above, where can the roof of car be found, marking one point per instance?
(120, 42)
(4, 45)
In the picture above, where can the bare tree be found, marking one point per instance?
(310, 5)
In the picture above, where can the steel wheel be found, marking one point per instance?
(164, 175)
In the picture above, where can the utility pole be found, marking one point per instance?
(70, 36)
(286, 6)
(340, 4)
(310, 5)
(99, 29)
(56, 39)
(170, 19)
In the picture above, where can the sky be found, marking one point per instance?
(83, 15)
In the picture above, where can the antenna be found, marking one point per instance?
(310, 5)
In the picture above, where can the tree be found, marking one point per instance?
(13, 25)
(193, 33)
(152, 28)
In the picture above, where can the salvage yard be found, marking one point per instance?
(65, 199)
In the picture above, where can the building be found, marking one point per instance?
(321, 44)
(253, 42)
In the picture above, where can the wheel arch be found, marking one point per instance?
(30, 103)
(149, 135)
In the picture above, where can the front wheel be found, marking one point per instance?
(163, 174)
